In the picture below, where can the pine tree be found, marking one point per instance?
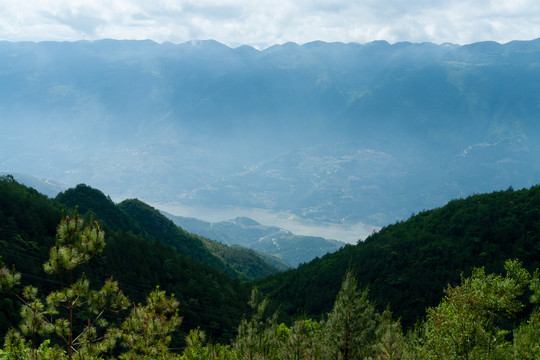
(256, 337)
(147, 329)
(350, 329)
(61, 311)
(302, 341)
(390, 340)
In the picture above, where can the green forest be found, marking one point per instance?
(84, 278)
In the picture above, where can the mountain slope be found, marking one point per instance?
(331, 133)
(292, 249)
(48, 187)
(247, 263)
(408, 264)
(141, 219)
(88, 199)
(236, 262)
(28, 221)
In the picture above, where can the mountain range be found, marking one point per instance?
(292, 249)
(405, 268)
(143, 250)
(279, 247)
(408, 265)
(326, 135)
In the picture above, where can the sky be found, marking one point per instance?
(262, 23)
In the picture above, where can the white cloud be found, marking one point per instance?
(267, 22)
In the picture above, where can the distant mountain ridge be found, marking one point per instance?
(330, 133)
(292, 249)
(48, 187)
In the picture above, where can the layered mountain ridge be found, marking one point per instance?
(327, 133)
(292, 249)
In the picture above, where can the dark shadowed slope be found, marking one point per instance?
(407, 265)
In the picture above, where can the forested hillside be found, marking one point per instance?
(344, 305)
(137, 256)
(329, 133)
(235, 261)
(407, 265)
(140, 218)
(290, 248)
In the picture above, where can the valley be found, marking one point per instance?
(463, 247)
(337, 135)
(292, 249)
(270, 203)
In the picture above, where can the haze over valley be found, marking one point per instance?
(323, 139)
(270, 180)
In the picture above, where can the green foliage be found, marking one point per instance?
(467, 323)
(390, 342)
(145, 332)
(208, 298)
(407, 265)
(302, 341)
(351, 324)
(16, 348)
(527, 339)
(255, 336)
(198, 349)
(8, 278)
(353, 330)
(238, 263)
(137, 260)
(471, 322)
(246, 263)
(483, 315)
(28, 222)
(527, 336)
(164, 230)
(75, 245)
(90, 200)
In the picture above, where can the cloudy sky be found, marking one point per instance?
(265, 22)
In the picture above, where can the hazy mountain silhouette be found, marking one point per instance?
(290, 248)
(327, 132)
